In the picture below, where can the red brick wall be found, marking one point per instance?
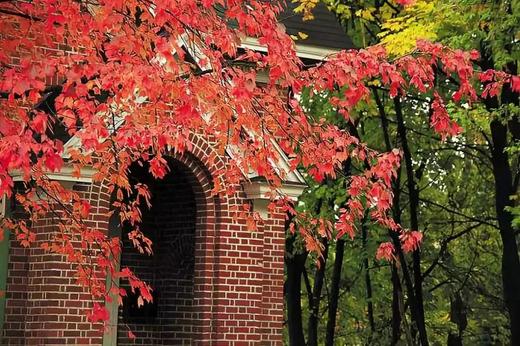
(273, 278)
(237, 274)
(44, 305)
(16, 311)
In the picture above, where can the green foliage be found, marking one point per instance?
(462, 245)
(400, 33)
(463, 24)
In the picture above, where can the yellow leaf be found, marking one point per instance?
(375, 82)
(366, 14)
(305, 7)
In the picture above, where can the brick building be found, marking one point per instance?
(214, 281)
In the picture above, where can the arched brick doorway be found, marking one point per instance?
(237, 273)
(177, 224)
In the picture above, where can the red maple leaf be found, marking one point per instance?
(385, 251)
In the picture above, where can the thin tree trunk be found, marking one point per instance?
(338, 263)
(505, 187)
(414, 223)
(397, 306)
(458, 316)
(396, 309)
(334, 292)
(510, 260)
(314, 304)
(368, 281)
(295, 265)
(397, 296)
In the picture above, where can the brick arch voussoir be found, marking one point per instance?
(198, 168)
(202, 162)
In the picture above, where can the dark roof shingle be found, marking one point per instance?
(323, 31)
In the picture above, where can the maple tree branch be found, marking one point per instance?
(392, 6)
(444, 247)
(439, 285)
(20, 14)
(466, 277)
(55, 88)
(149, 5)
(416, 98)
(424, 200)
(75, 221)
(308, 286)
(455, 276)
(275, 119)
(458, 145)
(457, 149)
(374, 36)
(405, 96)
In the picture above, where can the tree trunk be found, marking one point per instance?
(414, 223)
(505, 187)
(458, 315)
(396, 213)
(368, 281)
(314, 303)
(510, 260)
(295, 265)
(334, 293)
(396, 310)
